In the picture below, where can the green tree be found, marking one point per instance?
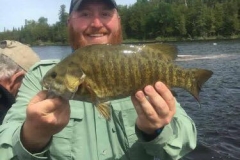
(124, 15)
(61, 34)
(231, 24)
(137, 20)
(148, 19)
(41, 30)
(179, 14)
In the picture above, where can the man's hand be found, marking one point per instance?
(155, 107)
(45, 117)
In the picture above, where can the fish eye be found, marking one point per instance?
(54, 75)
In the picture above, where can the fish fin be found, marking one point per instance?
(104, 110)
(201, 75)
(168, 51)
(72, 81)
(102, 107)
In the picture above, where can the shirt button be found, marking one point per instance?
(100, 116)
(104, 152)
(113, 130)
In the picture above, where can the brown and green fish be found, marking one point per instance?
(99, 73)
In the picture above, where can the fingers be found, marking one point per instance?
(56, 104)
(166, 95)
(45, 117)
(153, 102)
(45, 105)
(42, 95)
(137, 105)
(144, 107)
(158, 103)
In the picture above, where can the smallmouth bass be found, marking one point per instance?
(103, 72)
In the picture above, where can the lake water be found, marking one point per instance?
(218, 118)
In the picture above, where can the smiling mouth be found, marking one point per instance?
(96, 35)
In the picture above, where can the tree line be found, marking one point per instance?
(149, 20)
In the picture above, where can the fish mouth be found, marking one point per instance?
(51, 92)
(54, 91)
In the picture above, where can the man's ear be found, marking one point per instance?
(16, 79)
(119, 17)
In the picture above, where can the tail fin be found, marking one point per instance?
(201, 75)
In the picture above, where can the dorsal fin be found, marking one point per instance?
(162, 51)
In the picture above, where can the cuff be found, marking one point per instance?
(152, 147)
(147, 137)
(22, 152)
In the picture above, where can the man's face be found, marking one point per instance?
(94, 23)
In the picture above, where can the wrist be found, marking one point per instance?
(150, 137)
(33, 140)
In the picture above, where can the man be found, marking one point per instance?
(53, 128)
(15, 59)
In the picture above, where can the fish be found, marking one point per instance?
(100, 73)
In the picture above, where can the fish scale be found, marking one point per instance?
(169, 76)
(103, 82)
(99, 73)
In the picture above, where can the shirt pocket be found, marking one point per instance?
(61, 147)
(125, 114)
(61, 143)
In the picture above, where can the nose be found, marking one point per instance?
(96, 22)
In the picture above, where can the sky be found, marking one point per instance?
(14, 13)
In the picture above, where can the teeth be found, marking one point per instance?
(96, 35)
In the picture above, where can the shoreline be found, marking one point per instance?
(136, 41)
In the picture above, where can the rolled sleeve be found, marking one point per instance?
(176, 139)
(22, 153)
(11, 145)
